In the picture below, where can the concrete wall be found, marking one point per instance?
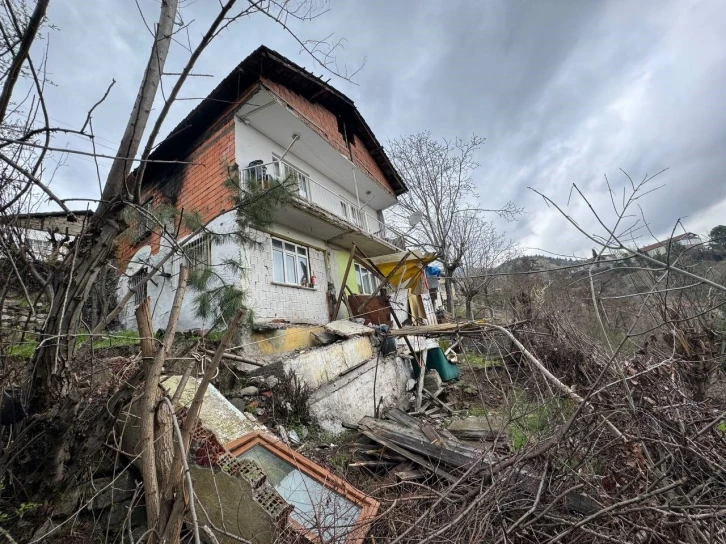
(270, 300)
(326, 124)
(355, 395)
(163, 288)
(337, 399)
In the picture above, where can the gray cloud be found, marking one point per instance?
(564, 92)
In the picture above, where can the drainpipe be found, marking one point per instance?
(350, 157)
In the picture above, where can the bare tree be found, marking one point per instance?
(439, 176)
(56, 396)
(488, 249)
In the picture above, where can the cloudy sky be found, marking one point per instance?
(564, 92)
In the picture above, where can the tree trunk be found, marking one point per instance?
(469, 310)
(449, 287)
(54, 389)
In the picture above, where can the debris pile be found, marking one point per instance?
(408, 441)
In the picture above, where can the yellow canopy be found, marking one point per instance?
(409, 270)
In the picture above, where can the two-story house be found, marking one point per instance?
(269, 119)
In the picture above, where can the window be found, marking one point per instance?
(284, 171)
(325, 507)
(290, 263)
(367, 282)
(135, 281)
(351, 213)
(40, 248)
(198, 254)
(143, 221)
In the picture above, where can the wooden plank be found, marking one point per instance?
(455, 455)
(409, 475)
(415, 433)
(431, 434)
(345, 280)
(411, 456)
(477, 434)
(399, 416)
(437, 401)
(384, 283)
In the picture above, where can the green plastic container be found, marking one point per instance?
(436, 359)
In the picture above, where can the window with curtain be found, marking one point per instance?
(290, 263)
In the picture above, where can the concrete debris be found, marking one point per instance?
(432, 380)
(249, 391)
(347, 329)
(410, 384)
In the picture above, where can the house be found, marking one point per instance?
(677, 243)
(46, 235)
(268, 119)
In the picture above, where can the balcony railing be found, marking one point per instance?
(313, 192)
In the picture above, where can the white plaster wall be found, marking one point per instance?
(162, 289)
(354, 396)
(251, 145)
(322, 365)
(269, 300)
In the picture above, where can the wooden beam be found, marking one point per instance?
(345, 279)
(385, 282)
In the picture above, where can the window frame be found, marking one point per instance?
(203, 241)
(145, 224)
(297, 253)
(368, 505)
(135, 280)
(351, 214)
(361, 273)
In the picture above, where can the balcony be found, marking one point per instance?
(344, 221)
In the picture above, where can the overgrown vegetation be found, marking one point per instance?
(290, 400)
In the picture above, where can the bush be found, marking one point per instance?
(290, 400)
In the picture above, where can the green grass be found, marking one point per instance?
(479, 361)
(115, 340)
(22, 351)
(532, 421)
(26, 349)
(722, 427)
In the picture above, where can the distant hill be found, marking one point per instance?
(536, 262)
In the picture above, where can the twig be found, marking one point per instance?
(187, 473)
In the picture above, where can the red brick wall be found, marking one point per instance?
(203, 182)
(326, 124)
(202, 186)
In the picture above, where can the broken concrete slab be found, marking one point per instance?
(317, 367)
(230, 503)
(217, 413)
(351, 396)
(324, 337)
(249, 391)
(347, 329)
